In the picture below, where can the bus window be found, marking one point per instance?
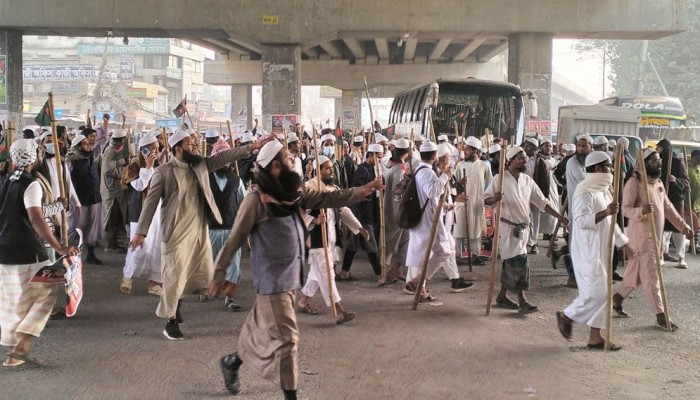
(399, 109)
(418, 105)
(410, 113)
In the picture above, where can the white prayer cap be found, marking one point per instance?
(584, 136)
(473, 142)
(119, 133)
(427, 146)
(514, 151)
(268, 152)
(323, 159)
(647, 152)
(600, 140)
(494, 149)
(358, 139)
(328, 136)
(77, 139)
(596, 157)
(237, 136)
(292, 138)
(568, 147)
(391, 142)
(44, 135)
(624, 142)
(443, 149)
(375, 148)
(248, 137)
(533, 141)
(378, 138)
(147, 139)
(178, 136)
(612, 143)
(442, 137)
(280, 136)
(545, 141)
(418, 138)
(211, 133)
(401, 143)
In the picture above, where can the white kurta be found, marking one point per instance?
(147, 258)
(517, 197)
(430, 186)
(589, 247)
(478, 176)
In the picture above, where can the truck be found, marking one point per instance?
(596, 120)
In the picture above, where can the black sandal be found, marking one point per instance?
(564, 325)
(508, 304)
(307, 309)
(601, 346)
(527, 308)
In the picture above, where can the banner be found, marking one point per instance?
(38, 73)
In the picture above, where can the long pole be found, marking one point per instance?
(611, 248)
(59, 172)
(497, 225)
(188, 113)
(371, 114)
(167, 145)
(553, 238)
(233, 144)
(324, 233)
(9, 139)
(88, 123)
(652, 226)
(410, 154)
(669, 163)
(466, 203)
(689, 205)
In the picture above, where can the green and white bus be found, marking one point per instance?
(658, 113)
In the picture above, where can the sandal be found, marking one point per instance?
(341, 279)
(349, 316)
(25, 358)
(527, 308)
(126, 285)
(155, 290)
(662, 325)
(429, 298)
(564, 324)
(618, 308)
(388, 281)
(601, 346)
(307, 309)
(508, 304)
(15, 363)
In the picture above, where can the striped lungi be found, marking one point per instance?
(24, 307)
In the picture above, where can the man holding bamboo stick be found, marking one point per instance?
(520, 191)
(114, 207)
(593, 206)
(641, 268)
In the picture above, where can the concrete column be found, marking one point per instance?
(350, 102)
(530, 66)
(281, 82)
(11, 77)
(242, 97)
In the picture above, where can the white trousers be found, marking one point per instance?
(678, 239)
(318, 278)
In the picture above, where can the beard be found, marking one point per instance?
(191, 158)
(522, 168)
(289, 179)
(327, 181)
(653, 173)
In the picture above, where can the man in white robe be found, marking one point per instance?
(519, 191)
(593, 206)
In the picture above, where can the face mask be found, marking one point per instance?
(329, 151)
(49, 148)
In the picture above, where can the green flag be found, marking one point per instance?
(44, 116)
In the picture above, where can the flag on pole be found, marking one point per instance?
(44, 116)
(179, 111)
(4, 150)
(338, 129)
(459, 116)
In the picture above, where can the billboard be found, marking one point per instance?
(58, 72)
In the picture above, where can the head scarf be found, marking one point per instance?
(23, 154)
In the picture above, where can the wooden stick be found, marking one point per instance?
(553, 238)
(9, 139)
(431, 241)
(233, 145)
(59, 172)
(617, 173)
(371, 114)
(466, 203)
(689, 205)
(167, 145)
(188, 114)
(324, 233)
(128, 145)
(669, 163)
(286, 138)
(89, 121)
(382, 228)
(652, 225)
(411, 147)
(496, 229)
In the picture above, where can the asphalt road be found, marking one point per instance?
(114, 349)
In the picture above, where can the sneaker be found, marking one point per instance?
(459, 285)
(229, 368)
(546, 236)
(616, 276)
(410, 288)
(232, 305)
(534, 249)
(172, 331)
(477, 260)
(669, 258)
(682, 264)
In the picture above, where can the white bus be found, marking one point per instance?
(472, 104)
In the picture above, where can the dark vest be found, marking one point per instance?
(315, 233)
(19, 242)
(86, 181)
(134, 200)
(227, 200)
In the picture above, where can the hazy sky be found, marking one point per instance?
(584, 70)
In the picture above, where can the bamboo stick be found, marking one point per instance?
(497, 225)
(553, 238)
(8, 142)
(324, 233)
(233, 145)
(652, 225)
(59, 172)
(689, 205)
(371, 114)
(466, 203)
(611, 247)
(188, 113)
(166, 144)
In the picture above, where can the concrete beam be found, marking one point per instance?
(331, 49)
(439, 48)
(226, 45)
(382, 48)
(355, 48)
(409, 51)
(469, 48)
(498, 49)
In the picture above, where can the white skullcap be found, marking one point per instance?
(268, 152)
(624, 142)
(443, 149)
(600, 140)
(237, 136)
(280, 136)
(514, 151)
(119, 133)
(358, 139)
(77, 139)
(568, 147)
(427, 146)
(418, 138)
(378, 138)
(612, 143)
(44, 135)
(23, 152)
(375, 148)
(442, 137)
(178, 136)
(545, 141)
(584, 136)
(248, 137)
(322, 159)
(647, 152)
(391, 142)
(211, 133)
(147, 139)
(533, 142)
(328, 136)
(494, 149)
(596, 157)
(474, 142)
(292, 138)
(401, 143)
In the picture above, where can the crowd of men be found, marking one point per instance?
(304, 206)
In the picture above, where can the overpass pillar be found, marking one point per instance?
(11, 77)
(242, 105)
(530, 66)
(348, 109)
(281, 82)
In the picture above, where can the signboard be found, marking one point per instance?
(136, 92)
(146, 46)
(349, 119)
(58, 113)
(542, 129)
(271, 19)
(168, 123)
(76, 72)
(655, 122)
(112, 116)
(126, 68)
(3, 80)
(204, 105)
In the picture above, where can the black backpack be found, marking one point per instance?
(407, 208)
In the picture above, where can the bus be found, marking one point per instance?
(658, 113)
(473, 105)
